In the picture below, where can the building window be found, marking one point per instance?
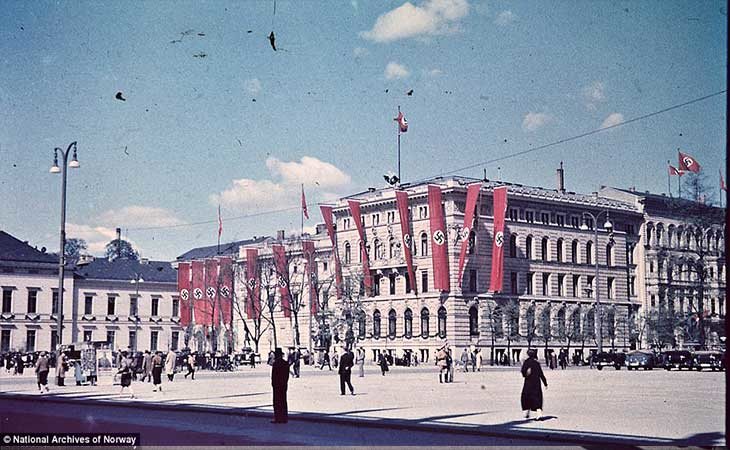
(560, 220)
(7, 301)
(424, 281)
(376, 284)
(423, 212)
(576, 280)
(574, 252)
(559, 250)
(545, 249)
(5, 341)
(497, 327)
(513, 213)
(346, 223)
(528, 247)
(408, 323)
(54, 339)
(589, 252)
(561, 285)
(391, 280)
(632, 286)
(653, 301)
(442, 322)
(590, 324)
(591, 291)
(88, 305)
(472, 242)
(391, 323)
(529, 217)
(175, 307)
(379, 254)
(30, 341)
(32, 301)
(391, 216)
(133, 340)
(133, 300)
(530, 282)
(175, 340)
(154, 335)
(473, 321)
(424, 322)
(424, 244)
(348, 253)
(609, 254)
(111, 305)
(546, 284)
(545, 218)
(513, 283)
(110, 338)
(376, 219)
(391, 249)
(155, 306)
(324, 266)
(513, 246)
(610, 287)
(376, 324)
(574, 222)
(472, 280)
(88, 335)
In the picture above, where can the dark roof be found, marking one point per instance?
(13, 249)
(674, 205)
(228, 249)
(127, 269)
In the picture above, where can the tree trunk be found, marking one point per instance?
(296, 329)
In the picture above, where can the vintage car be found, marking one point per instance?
(677, 359)
(605, 359)
(712, 360)
(640, 359)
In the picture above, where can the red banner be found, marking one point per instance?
(472, 195)
(226, 289)
(282, 278)
(357, 218)
(328, 220)
(211, 311)
(253, 284)
(439, 242)
(500, 207)
(186, 297)
(401, 199)
(198, 286)
(311, 273)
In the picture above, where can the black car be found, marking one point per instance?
(640, 360)
(605, 359)
(712, 360)
(677, 359)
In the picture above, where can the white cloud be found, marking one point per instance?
(433, 73)
(360, 52)
(612, 119)
(594, 93)
(96, 237)
(533, 121)
(505, 18)
(394, 70)
(283, 190)
(253, 86)
(432, 17)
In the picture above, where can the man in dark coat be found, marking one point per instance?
(279, 381)
(531, 390)
(346, 362)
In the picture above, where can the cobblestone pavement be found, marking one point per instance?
(649, 407)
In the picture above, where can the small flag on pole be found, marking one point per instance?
(688, 163)
(304, 205)
(220, 223)
(673, 171)
(402, 122)
(723, 187)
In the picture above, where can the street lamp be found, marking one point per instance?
(136, 281)
(608, 226)
(74, 164)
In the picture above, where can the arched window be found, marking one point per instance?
(391, 249)
(361, 325)
(424, 322)
(590, 324)
(530, 320)
(574, 252)
(497, 323)
(473, 321)
(376, 324)
(561, 323)
(408, 323)
(589, 252)
(513, 246)
(348, 253)
(391, 324)
(545, 249)
(424, 244)
(379, 254)
(609, 254)
(528, 247)
(442, 322)
(472, 242)
(559, 249)
(575, 324)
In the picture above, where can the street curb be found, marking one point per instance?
(393, 424)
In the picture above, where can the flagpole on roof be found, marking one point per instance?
(679, 178)
(397, 125)
(301, 214)
(669, 178)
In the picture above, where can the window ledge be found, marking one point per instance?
(111, 318)
(88, 317)
(156, 319)
(7, 316)
(32, 316)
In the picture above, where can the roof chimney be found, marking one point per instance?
(561, 179)
(280, 235)
(119, 242)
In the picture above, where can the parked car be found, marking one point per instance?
(639, 359)
(712, 360)
(677, 359)
(605, 359)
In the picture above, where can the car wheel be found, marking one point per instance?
(599, 367)
(618, 367)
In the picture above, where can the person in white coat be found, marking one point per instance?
(170, 365)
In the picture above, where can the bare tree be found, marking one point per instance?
(255, 326)
(531, 325)
(511, 311)
(545, 327)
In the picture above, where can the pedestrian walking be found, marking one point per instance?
(360, 361)
(191, 366)
(531, 390)
(279, 381)
(294, 358)
(441, 357)
(41, 370)
(157, 372)
(478, 360)
(450, 366)
(345, 371)
(465, 360)
(19, 364)
(125, 372)
(170, 365)
(78, 373)
(553, 360)
(473, 356)
(61, 368)
(325, 360)
(147, 366)
(383, 363)
(335, 359)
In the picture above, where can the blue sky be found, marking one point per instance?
(489, 78)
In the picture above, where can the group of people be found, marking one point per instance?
(471, 358)
(152, 367)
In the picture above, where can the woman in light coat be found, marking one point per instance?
(170, 365)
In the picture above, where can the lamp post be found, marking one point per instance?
(608, 226)
(136, 281)
(74, 164)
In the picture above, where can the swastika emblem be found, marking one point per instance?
(439, 238)
(407, 240)
(688, 162)
(251, 283)
(184, 294)
(198, 293)
(499, 239)
(281, 281)
(465, 233)
(211, 292)
(225, 292)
